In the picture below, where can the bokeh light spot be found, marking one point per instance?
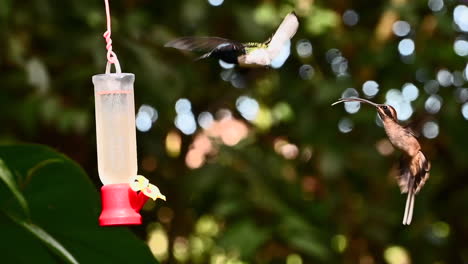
(410, 92)
(444, 77)
(401, 28)
(183, 106)
(339, 243)
(402, 106)
(435, 5)
(248, 107)
(393, 96)
(194, 158)
(152, 112)
(370, 88)
(294, 259)
(215, 2)
(350, 92)
(205, 120)
(332, 54)
(350, 17)
(406, 47)
(339, 65)
(185, 122)
(173, 143)
(461, 94)
(441, 229)
(180, 249)
(306, 72)
(396, 255)
(289, 151)
(461, 47)
(351, 107)
(431, 129)
(433, 104)
(304, 48)
(460, 17)
(465, 72)
(206, 225)
(384, 147)
(143, 122)
(345, 125)
(158, 243)
(282, 111)
(464, 110)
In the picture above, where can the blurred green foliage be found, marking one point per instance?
(49, 210)
(335, 202)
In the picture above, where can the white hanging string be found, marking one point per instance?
(111, 56)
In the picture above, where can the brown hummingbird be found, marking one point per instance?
(414, 167)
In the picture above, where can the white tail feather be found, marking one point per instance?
(410, 211)
(409, 208)
(406, 209)
(283, 34)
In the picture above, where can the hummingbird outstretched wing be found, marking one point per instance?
(209, 45)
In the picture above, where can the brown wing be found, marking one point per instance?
(200, 44)
(414, 172)
(404, 175)
(422, 167)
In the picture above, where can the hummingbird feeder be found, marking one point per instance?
(123, 192)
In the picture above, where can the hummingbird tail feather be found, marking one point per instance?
(409, 208)
(414, 172)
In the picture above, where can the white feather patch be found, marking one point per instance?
(283, 34)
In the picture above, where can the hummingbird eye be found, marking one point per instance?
(384, 107)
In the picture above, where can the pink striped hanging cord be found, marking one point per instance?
(111, 56)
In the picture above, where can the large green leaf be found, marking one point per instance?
(47, 239)
(64, 210)
(8, 180)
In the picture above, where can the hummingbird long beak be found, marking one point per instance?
(355, 99)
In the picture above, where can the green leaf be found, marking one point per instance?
(65, 205)
(42, 235)
(7, 178)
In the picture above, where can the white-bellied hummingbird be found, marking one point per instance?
(414, 167)
(251, 54)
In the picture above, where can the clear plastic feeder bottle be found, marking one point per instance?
(116, 148)
(115, 127)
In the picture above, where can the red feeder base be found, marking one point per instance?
(120, 205)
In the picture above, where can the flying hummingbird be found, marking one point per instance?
(251, 54)
(414, 167)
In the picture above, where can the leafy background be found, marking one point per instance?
(286, 187)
